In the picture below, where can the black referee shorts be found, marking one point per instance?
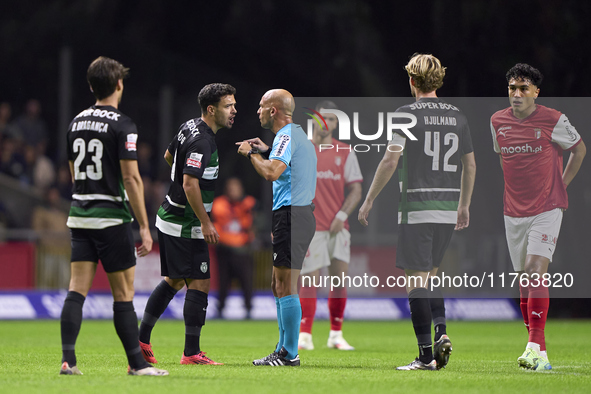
(421, 247)
(293, 230)
(113, 246)
(183, 258)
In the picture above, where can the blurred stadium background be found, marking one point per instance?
(312, 48)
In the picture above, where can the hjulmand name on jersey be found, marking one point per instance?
(90, 125)
(432, 105)
(527, 148)
(99, 113)
(440, 120)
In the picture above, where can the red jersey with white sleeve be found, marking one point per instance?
(531, 150)
(336, 168)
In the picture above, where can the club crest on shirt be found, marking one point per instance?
(538, 133)
(338, 160)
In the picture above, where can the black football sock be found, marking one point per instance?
(194, 312)
(157, 304)
(125, 321)
(71, 320)
(438, 312)
(420, 312)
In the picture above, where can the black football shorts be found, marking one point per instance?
(421, 247)
(183, 258)
(114, 246)
(293, 230)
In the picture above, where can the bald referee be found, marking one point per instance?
(291, 165)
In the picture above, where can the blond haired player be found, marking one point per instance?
(437, 178)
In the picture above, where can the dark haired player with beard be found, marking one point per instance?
(530, 140)
(437, 180)
(184, 226)
(102, 145)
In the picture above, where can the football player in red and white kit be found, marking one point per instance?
(338, 174)
(530, 140)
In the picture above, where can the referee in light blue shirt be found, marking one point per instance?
(291, 166)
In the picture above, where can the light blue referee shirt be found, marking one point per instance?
(296, 186)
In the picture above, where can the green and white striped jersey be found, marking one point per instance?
(430, 172)
(195, 153)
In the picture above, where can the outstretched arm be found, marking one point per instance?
(271, 170)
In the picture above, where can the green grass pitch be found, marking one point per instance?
(483, 360)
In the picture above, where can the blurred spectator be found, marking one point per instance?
(53, 254)
(145, 163)
(12, 163)
(7, 129)
(40, 171)
(31, 125)
(233, 217)
(64, 181)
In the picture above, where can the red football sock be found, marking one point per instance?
(523, 295)
(337, 301)
(537, 308)
(308, 301)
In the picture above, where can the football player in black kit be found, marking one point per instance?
(102, 153)
(437, 180)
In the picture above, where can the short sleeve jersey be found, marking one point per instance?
(194, 153)
(337, 168)
(98, 138)
(531, 150)
(297, 184)
(431, 171)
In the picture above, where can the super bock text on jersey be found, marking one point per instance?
(194, 153)
(431, 171)
(98, 138)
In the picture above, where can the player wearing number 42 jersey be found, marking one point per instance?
(530, 140)
(437, 179)
(103, 162)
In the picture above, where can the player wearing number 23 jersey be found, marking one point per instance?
(98, 138)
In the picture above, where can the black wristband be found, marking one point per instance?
(250, 152)
(266, 154)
